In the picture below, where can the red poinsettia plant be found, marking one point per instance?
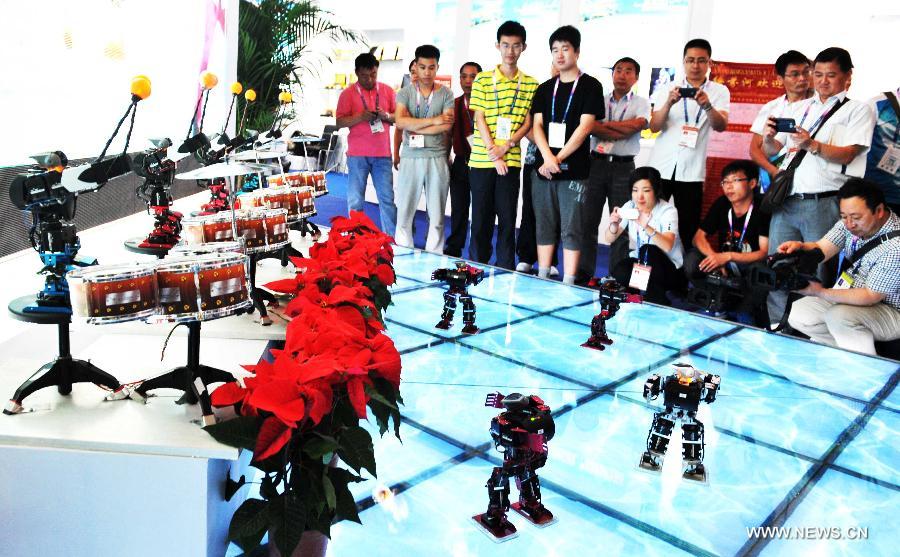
(301, 408)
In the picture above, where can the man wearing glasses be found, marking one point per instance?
(742, 229)
(684, 115)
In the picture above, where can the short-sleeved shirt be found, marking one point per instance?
(629, 107)
(496, 95)
(587, 98)
(463, 126)
(716, 222)
(361, 142)
(663, 218)
(878, 270)
(887, 132)
(419, 106)
(852, 124)
(688, 165)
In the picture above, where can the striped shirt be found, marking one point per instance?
(485, 99)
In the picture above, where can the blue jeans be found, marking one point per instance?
(383, 180)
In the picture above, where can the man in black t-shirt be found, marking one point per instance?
(564, 110)
(742, 229)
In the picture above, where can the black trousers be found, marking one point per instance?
(494, 196)
(688, 198)
(526, 243)
(663, 274)
(460, 198)
(608, 181)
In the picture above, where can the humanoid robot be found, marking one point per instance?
(521, 432)
(612, 295)
(158, 171)
(682, 391)
(458, 279)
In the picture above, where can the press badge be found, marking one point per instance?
(376, 126)
(604, 147)
(557, 135)
(689, 135)
(417, 141)
(504, 128)
(640, 277)
(890, 162)
(844, 281)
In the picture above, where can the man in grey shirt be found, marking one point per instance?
(425, 114)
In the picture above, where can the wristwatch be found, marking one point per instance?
(815, 147)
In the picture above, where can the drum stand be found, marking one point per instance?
(193, 378)
(62, 372)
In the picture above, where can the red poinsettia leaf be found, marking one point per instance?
(356, 389)
(227, 395)
(273, 435)
(361, 358)
(288, 286)
(319, 398)
(273, 395)
(385, 274)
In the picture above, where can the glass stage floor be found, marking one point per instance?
(801, 435)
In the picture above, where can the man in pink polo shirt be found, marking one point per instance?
(367, 108)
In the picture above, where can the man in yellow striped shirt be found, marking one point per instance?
(501, 99)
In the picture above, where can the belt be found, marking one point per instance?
(612, 158)
(816, 196)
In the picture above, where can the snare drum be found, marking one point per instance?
(188, 250)
(320, 183)
(276, 228)
(248, 200)
(217, 228)
(192, 230)
(306, 198)
(104, 294)
(251, 227)
(276, 181)
(293, 179)
(202, 288)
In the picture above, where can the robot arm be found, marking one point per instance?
(494, 400)
(711, 383)
(439, 274)
(475, 275)
(652, 387)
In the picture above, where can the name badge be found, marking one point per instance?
(890, 162)
(605, 147)
(557, 135)
(416, 141)
(689, 135)
(504, 129)
(376, 126)
(640, 277)
(471, 139)
(844, 281)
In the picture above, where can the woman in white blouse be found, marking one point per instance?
(655, 249)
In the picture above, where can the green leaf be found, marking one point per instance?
(374, 394)
(319, 446)
(289, 523)
(346, 506)
(328, 487)
(239, 432)
(267, 487)
(248, 525)
(357, 450)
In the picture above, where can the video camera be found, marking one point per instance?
(786, 271)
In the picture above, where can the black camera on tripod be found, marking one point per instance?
(787, 271)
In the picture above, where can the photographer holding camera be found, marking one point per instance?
(864, 304)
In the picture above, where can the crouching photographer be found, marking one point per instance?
(863, 306)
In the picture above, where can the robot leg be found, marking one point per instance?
(449, 308)
(494, 521)
(529, 504)
(469, 327)
(692, 449)
(657, 441)
(599, 339)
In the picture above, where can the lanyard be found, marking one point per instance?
(740, 243)
(818, 121)
(468, 112)
(637, 232)
(612, 100)
(699, 110)
(427, 99)
(568, 104)
(363, 99)
(512, 105)
(842, 256)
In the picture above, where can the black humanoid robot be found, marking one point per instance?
(682, 391)
(158, 171)
(458, 279)
(612, 295)
(521, 432)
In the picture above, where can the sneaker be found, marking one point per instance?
(554, 272)
(523, 267)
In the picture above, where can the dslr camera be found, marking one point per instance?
(787, 271)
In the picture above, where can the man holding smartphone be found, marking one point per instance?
(685, 116)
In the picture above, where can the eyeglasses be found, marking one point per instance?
(515, 47)
(700, 61)
(733, 181)
(795, 75)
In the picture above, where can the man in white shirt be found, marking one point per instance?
(686, 114)
(794, 70)
(837, 152)
(615, 141)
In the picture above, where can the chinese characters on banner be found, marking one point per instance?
(751, 86)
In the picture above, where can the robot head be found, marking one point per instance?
(515, 401)
(685, 372)
(460, 265)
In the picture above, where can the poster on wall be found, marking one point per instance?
(661, 77)
(751, 86)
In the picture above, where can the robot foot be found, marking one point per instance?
(597, 344)
(650, 463)
(695, 472)
(469, 329)
(443, 324)
(539, 516)
(498, 529)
